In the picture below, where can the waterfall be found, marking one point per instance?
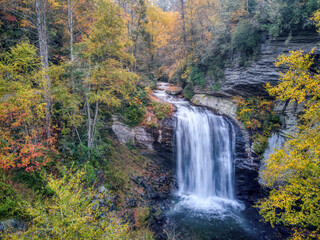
(205, 206)
(205, 150)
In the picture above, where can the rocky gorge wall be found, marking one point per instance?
(248, 81)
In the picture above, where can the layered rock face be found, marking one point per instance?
(250, 80)
(154, 141)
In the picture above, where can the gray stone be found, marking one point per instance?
(12, 225)
(136, 135)
(289, 112)
(174, 90)
(223, 106)
(250, 80)
(102, 189)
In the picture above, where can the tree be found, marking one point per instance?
(23, 142)
(109, 80)
(293, 172)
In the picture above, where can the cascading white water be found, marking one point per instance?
(205, 149)
(205, 206)
(205, 146)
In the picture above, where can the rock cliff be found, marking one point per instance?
(155, 141)
(250, 80)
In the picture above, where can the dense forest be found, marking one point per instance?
(68, 67)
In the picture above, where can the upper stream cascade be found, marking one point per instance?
(205, 149)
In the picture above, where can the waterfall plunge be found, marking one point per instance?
(205, 149)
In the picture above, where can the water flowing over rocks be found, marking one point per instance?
(226, 107)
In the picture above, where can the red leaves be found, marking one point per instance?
(22, 138)
(11, 18)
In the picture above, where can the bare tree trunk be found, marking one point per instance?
(70, 24)
(248, 6)
(89, 122)
(183, 21)
(43, 45)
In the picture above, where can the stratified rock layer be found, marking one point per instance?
(250, 80)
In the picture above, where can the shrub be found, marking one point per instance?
(188, 91)
(260, 143)
(134, 114)
(70, 214)
(246, 39)
(9, 200)
(258, 116)
(141, 216)
(161, 110)
(197, 76)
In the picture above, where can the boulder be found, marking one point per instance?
(174, 90)
(136, 135)
(12, 225)
(223, 106)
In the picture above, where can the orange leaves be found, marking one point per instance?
(161, 25)
(23, 144)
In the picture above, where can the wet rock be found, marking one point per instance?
(174, 90)
(164, 141)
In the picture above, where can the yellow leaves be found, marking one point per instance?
(294, 171)
(298, 83)
(69, 213)
(316, 18)
(24, 23)
(55, 4)
(161, 25)
(186, 73)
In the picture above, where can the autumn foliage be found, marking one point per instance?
(23, 140)
(292, 172)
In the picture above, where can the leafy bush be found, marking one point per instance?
(197, 76)
(141, 216)
(258, 116)
(188, 91)
(9, 200)
(260, 143)
(116, 178)
(246, 39)
(70, 214)
(161, 110)
(134, 114)
(34, 180)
